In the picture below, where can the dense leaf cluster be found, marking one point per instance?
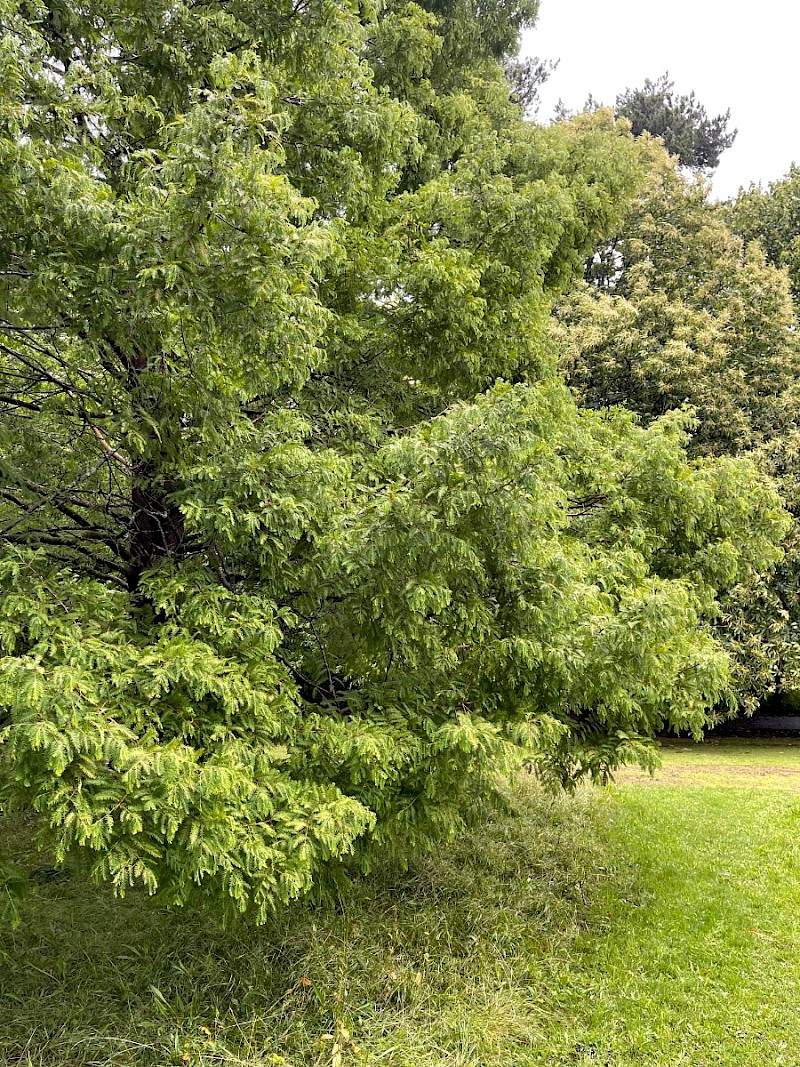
(771, 216)
(677, 310)
(769, 220)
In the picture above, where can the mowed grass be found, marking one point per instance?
(629, 925)
(729, 761)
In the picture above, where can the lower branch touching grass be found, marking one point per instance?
(615, 926)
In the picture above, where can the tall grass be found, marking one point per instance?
(442, 964)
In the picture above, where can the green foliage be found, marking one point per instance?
(677, 311)
(526, 77)
(680, 121)
(770, 220)
(644, 923)
(674, 310)
(772, 217)
(767, 614)
(301, 533)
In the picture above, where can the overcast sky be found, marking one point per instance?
(745, 58)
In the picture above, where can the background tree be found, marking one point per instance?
(770, 220)
(679, 120)
(300, 530)
(677, 311)
(772, 217)
(526, 78)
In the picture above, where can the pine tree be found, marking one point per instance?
(680, 121)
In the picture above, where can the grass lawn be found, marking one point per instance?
(633, 925)
(725, 761)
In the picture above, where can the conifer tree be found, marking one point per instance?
(300, 531)
(680, 121)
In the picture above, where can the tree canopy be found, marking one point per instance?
(680, 121)
(301, 531)
(772, 217)
(677, 311)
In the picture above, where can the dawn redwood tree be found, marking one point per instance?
(301, 532)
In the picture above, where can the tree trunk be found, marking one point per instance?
(157, 527)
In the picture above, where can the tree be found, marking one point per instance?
(769, 220)
(301, 533)
(680, 121)
(772, 217)
(526, 77)
(676, 311)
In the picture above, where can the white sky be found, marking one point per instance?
(737, 56)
